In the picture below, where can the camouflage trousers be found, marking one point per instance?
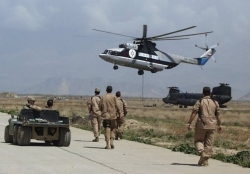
(110, 129)
(96, 123)
(120, 125)
(204, 140)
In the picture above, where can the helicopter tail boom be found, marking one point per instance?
(202, 60)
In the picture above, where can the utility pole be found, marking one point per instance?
(142, 88)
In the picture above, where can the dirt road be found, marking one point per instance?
(85, 156)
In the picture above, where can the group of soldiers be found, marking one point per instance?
(110, 111)
(31, 104)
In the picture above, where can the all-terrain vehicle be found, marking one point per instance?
(45, 125)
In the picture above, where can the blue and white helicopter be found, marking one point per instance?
(142, 54)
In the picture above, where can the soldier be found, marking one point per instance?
(50, 103)
(31, 104)
(93, 107)
(208, 118)
(110, 110)
(120, 120)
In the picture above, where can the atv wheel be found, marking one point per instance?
(7, 137)
(23, 136)
(14, 137)
(64, 138)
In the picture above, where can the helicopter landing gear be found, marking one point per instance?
(154, 70)
(140, 72)
(115, 67)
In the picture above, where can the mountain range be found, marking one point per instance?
(74, 86)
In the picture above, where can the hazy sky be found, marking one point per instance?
(40, 39)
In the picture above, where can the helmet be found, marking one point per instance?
(50, 102)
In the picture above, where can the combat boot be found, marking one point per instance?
(203, 158)
(107, 144)
(112, 143)
(205, 162)
(96, 139)
(121, 135)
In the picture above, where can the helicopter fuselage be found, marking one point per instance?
(221, 94)
(147, 57)
(140, 60)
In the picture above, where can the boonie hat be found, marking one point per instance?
(31, 98)
(97, 90)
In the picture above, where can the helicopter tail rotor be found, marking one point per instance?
(201, 47)
(209, 47)
(213, 58)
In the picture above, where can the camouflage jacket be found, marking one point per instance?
(109, 107)
(123, 107)
(207, 110)
(93, 105)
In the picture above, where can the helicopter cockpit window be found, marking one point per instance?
(115, 53)
(105, 52)
(124, 53)
(111, 52)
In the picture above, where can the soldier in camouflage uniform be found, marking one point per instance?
(110, 110)
(96, 120)
(208, 119)
(121, 120)
(31, 104)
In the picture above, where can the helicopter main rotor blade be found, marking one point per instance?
(187, 35)
(114, 33)
(144, 34)
(171, 32)
(160, 39)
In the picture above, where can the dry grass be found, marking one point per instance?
(164, 125)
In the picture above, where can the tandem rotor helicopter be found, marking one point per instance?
(143, 55)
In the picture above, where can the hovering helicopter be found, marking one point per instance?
(221, 94)
(142, 54)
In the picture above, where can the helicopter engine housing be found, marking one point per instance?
(128, 46)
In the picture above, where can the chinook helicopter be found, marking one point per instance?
(221, 94)
(142, 54)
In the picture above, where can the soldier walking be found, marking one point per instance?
(94, 111)
(110, 110)
(208, 119)
(120, 119)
